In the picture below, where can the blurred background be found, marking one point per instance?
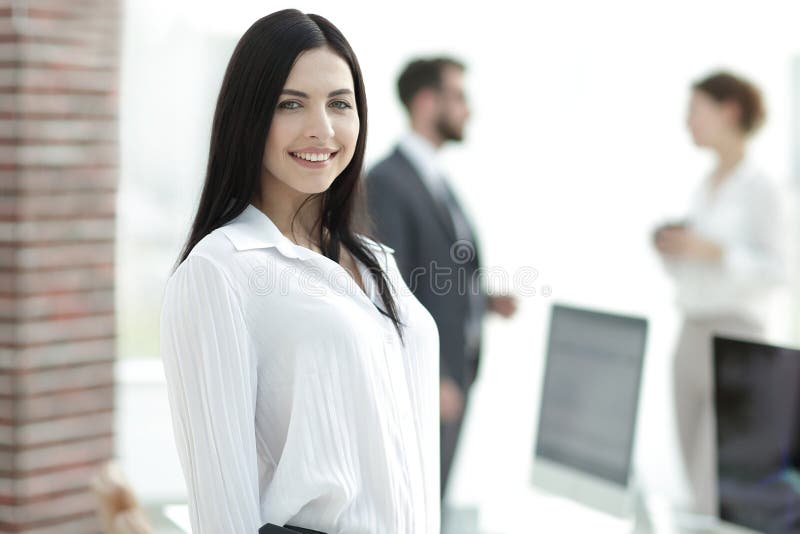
(577, 148)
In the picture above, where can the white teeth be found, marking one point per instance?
(312, 156)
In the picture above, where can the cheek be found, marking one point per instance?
(277, 141)
(455, 113)
(699, 121)
(269, 148)
(693, 121)
(269, 151)
(348, 133)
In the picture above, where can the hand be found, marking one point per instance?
(681, 242)
(503, 305)
(117, 508)
(451, 400)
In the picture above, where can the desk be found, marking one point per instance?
(534, 511)
(540, 513)
(179, 515)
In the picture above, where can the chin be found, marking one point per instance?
(313, 187)
(698, 141)
(701, 143)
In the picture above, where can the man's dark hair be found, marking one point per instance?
(424, 73)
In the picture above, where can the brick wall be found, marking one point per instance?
(58, 178)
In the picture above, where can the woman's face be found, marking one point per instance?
(708, 120)
(315, 127)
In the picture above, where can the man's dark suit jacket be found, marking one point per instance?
(436, 267)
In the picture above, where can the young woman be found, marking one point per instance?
(302, 373)
(724, 259)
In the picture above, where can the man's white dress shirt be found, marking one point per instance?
(424, 157)
(293, 399)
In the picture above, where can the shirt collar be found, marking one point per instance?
(423, 156)
(253, 229)
(739, 174)
(744, 168)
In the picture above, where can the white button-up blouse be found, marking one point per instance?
(293, 399)
(745, 216)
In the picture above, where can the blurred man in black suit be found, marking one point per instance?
(417, 214)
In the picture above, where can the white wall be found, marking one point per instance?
(577, 148)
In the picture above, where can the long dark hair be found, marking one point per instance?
(253, 82)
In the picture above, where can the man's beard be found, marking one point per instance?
(447, 131)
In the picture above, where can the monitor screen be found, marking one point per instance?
(590, 393)
(757, 398)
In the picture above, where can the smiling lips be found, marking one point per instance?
(313, 158)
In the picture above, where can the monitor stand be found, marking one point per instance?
(536, 510)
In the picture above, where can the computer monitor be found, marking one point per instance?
(757, 398)
(589, 405)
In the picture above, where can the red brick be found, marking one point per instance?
(44, 282)
(58, 404)
(59, 305)
(70, 9)
(29, 485)
(90, 34)
(57, 230)
(58, 455)
(7, 434)
(59, 180)
(58, 130)
(59, 154)
(49, 331)
(27, 78)
(82, 105)
(39, 510)
(59, 430)
(77, 204)
(94, 31)
(55, 255)
(39, 382)
(73, 352)
(43, 52)
(82, 524)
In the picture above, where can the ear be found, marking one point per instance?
(732, 112)
(424, 102)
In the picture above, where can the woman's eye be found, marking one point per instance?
(289, 104)
(341, 104)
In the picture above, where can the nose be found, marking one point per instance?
(319, 125)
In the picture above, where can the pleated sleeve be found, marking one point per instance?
(758, 258)
(211, 371)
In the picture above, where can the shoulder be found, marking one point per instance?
(750, 174)
(384, 254)
(756, 185)
(387, 162)
(387, 169)
(375, 246)
(210, 262)
(215, 247)
(390, 183)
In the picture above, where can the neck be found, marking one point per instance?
(290, 210)
(428, 131)
(730, 152)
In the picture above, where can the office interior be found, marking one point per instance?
(576, 150)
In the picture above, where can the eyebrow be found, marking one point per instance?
(301, 94)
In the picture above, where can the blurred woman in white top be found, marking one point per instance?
(724, 258)
(302, 373)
